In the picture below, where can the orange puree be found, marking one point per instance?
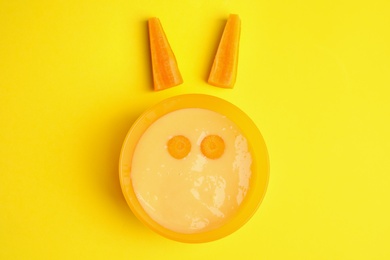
(191, 169)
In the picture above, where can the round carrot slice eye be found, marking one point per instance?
(179, 146)
(212, 146)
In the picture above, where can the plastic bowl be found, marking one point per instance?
(260, 164)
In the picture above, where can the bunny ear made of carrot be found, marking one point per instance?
(224, 70)
(165, 70)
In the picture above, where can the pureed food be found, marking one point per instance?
(191, 170)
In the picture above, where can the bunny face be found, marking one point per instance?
(200, 189)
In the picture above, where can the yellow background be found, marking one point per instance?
(313, 75)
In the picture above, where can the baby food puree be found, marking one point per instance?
(191, 170)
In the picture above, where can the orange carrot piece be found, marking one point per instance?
(212, 146)
(166, 72)
(179, 146)
(224, 70)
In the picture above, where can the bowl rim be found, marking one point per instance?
(259, 177)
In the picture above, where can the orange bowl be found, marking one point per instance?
(259, 167)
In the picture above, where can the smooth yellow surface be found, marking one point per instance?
(313, 75)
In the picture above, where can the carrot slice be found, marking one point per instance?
(212, 146)
(166, 72)
(179, 146)
(224, 70)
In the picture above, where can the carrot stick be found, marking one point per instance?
(166, 73)
(224, 70)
